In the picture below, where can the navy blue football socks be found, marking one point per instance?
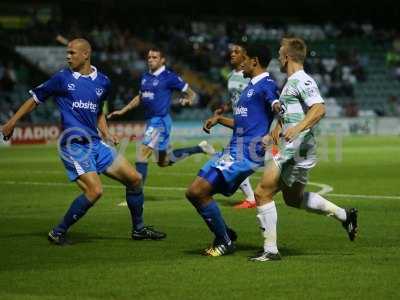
(77, 210)
(135, 201)
(141, 167)
(213, 218)
(182, 153)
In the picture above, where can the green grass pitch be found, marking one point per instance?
(319, 262)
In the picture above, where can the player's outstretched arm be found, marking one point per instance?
(188, 97)
(225, 108)
(217, 119)
(227, 122)
(315, 113)
(131, 105)
(8, 128)
(104, 130)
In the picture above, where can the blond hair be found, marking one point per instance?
(296, 48)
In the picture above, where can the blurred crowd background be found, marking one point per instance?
(356, 63)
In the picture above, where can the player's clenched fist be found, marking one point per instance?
(7, 130)
(210, 123)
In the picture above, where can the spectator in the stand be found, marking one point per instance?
(393, 106)
(351, 109)
(2, 70)
(8, 77)
(393, 58)
(356, 66)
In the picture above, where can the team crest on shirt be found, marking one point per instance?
(250, 93)
(99, 91)
(71, 87)
(155, 82)
(143, 80)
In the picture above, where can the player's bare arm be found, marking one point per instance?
(225, 108)
(131, 105)
(227, 122)
(218, 119)
(26, 108)
(187, 97)
(104, 130)
(315, 113)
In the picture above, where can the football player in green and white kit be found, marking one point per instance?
(301, 108)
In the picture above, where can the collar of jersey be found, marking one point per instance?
(158, 71)
(234, 72)
(295, 73)
(256, 79)
(92, 75)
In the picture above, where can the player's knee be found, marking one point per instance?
(262, 193)
(261, 190)
(94, 193)
(292, 200)
(190, 194)
(258, 194)
(193, 194)
(135, 181)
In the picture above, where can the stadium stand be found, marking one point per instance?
(356, 65)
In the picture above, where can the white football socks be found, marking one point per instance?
(247, 190)
(268, 218)
(315, 203)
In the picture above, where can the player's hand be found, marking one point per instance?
(291, 133)
(267, 141)
(277, 107)
(275, 135)
(219, 111)
(185, 101)
(112, 139)
(7, 130)
(116, 113)
(210, 123)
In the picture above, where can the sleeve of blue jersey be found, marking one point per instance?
(177, 83)
(104, 96)
(51, 87)
(107, 89)
(271, 93)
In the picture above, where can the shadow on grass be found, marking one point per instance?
(240, 247)
(227, 202)
(74, 237)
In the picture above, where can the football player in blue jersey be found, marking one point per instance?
(156, 88)
(79, 92)
(252, 117)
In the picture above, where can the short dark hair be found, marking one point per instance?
(241, 44)
(259, 51)
(156, 49)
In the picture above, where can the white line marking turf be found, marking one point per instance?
(325, 189)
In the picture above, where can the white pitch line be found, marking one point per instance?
(112, 186)
(324, 190)
(324, 187)
(364, 196)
